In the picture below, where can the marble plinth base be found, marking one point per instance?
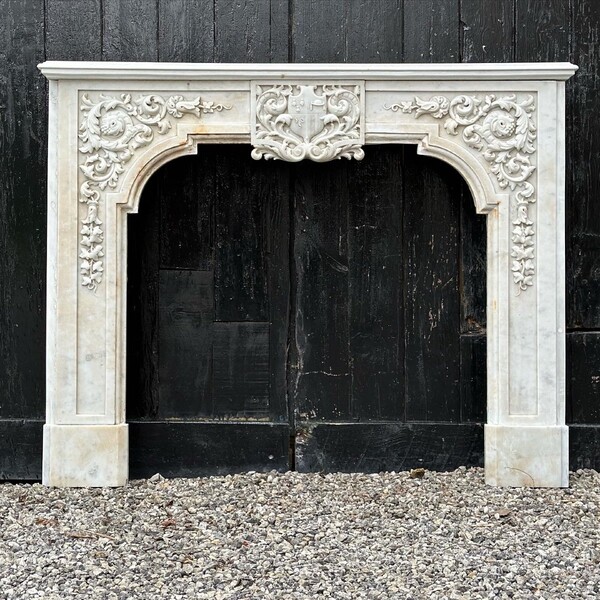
(517, 456)
(85, 455)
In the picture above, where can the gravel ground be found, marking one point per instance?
(288, 536)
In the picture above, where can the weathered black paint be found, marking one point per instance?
(296, 31)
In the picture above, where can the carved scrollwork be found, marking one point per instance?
(504, 131)
(111, 130)
(318, 122)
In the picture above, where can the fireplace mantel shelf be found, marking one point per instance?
(112, 125)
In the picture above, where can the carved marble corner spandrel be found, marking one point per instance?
(316, 121)
(111, 129)
(503, 130)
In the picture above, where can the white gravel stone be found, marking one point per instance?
(302, 536)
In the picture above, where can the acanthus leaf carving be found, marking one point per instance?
(111, 130)
(503, 130)
(317, 122)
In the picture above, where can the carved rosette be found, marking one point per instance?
(504, 131)
(318, 122)
(111, 130)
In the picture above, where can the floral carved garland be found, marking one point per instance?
(112, 129)
(503, 130)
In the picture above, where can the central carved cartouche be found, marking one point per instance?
(317, 122)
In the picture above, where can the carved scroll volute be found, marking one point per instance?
(111, 130)
(320, 122)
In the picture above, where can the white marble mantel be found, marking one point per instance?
(112, 125)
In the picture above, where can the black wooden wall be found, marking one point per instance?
(297, 31)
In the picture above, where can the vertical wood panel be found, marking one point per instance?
(583, 174)
(583, 378)
(186, 221)
(143, 258)
(241, 233)
(186, 313)
(431, 31)
(541, 30)
(352, 31)
(432, 304)
(487, 30)
(73, 30)
(241, 369)
(320, 361)
(243, 31)
(129, 30)
(187, 30)
(375, 284)
(23, 146)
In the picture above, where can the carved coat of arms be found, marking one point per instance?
(318, 122)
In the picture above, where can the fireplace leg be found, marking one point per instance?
(527, 456)
(85, 455)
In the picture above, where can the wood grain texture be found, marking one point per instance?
(376, 284)
(431, 31)
(432, 302)
(129, 30)
(541, 30)
(333, 31)
(187, 31)
(583, 378)
(23, 143)
(73, 30)
(583, 174)
(320, 379)
(375, 447)
(186, 313)
(192, 449)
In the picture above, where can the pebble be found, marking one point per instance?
(302, 536)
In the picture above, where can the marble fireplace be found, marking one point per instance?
(112, 125)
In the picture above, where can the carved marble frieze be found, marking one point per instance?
(111, 130)
(503, 130)
(320, 122)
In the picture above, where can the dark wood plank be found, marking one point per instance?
(583, 377)
(192, 449)
(584, 447)
(21, 449)
(375, 447)
(73, 29)
(143, 260)
(186, 312)
(431, 31)
(23, 148)
(129, 30)
(187, 31)
(319, 364)
(354, 31)
(487, 30)
(240, 368)
(375, 285)
(241, 237)
(432, 301)
(541, 30)
(318, 31)
(373, 30)
(187, 192)
(243, 31)
(473, 382)
(583, 174)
